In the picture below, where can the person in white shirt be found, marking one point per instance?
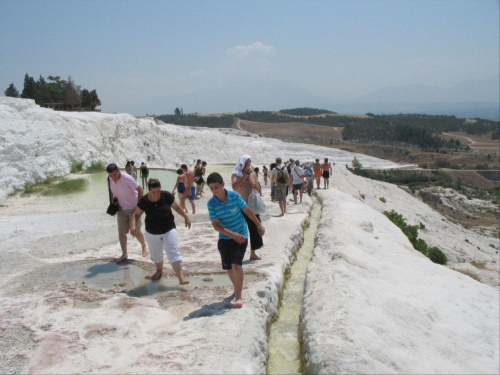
(297, 179)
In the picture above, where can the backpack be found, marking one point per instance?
(281, 176)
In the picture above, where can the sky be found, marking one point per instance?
(132, 52)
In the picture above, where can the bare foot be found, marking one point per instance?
(183, 282)
(157, 275)
(121, 259)
(145, 252)
(255, 257)
(238, 304)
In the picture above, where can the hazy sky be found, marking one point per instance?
(130, 51)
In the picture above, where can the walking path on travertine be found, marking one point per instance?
(192, 329)
(365, 288)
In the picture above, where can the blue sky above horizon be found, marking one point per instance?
(133, 51)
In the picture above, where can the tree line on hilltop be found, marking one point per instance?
(409, 129)
(56, 93)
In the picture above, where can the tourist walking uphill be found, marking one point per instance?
(297, 181)
(127, 192)
(243, 181)
(199, 172)
(317, 172)
(226, 209)
(144, 175)
(190, 193)
(161, 232)
(309, 177)
(134, 170)
(279, 177)
(326, 167)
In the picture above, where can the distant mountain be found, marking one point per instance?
(467, 91)
(237, 97)
(474, 98)
(484, 110)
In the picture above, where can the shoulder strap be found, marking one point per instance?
(110, 194)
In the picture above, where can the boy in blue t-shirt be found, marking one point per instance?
(224, 210)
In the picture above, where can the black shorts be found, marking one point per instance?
(200, 181)
(326, 174)
(297, 187)
(231, 252)
(256, 241)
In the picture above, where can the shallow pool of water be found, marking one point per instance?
(131, 277)
(98, 186)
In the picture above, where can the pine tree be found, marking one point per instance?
(86, 99)
(56, 88)
(29, 87)
(42, 93)
(94, 100)
(12, 91)
(72, 94)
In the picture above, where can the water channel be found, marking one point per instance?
(285, 356)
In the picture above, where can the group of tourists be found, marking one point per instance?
(186, 181)
(131, 169)
(297, 178)
(228, 210)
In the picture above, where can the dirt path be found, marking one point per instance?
(472, 142)
(238, 125)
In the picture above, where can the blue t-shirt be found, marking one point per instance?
(229, 213)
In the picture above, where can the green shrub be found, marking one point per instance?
(37, 187)
(67, 187)
(76, 167)
(411, 231)
(95, 167)
(437, 256)
(442, 163)
(482, 166)
(356, 164)
(421, 246)
(382, 199)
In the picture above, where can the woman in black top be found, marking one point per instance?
(161, 233)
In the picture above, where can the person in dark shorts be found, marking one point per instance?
(190, 193)
(144, 175)
(226, 210)
(180, 185)
(243, 181)
(327, 169)
(198, 178)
